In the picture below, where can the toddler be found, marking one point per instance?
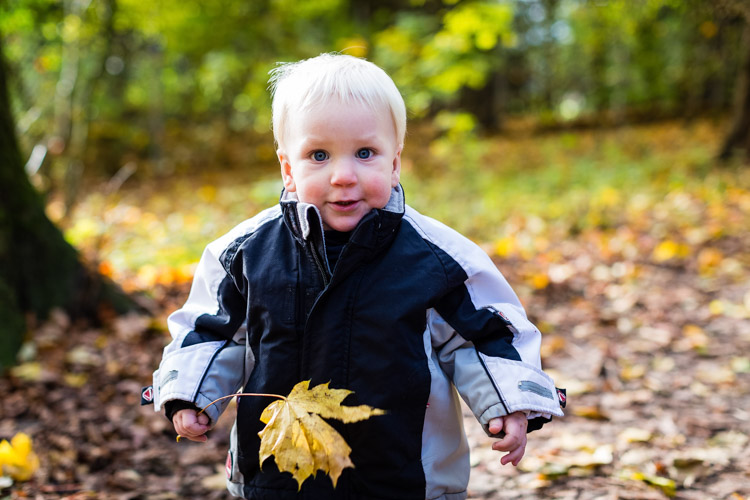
(342, 282)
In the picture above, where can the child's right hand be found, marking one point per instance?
(190, 425)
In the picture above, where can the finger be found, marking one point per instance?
(198, 439)
(496, 425)
(516, 453)
(191, 434)
(196, 429)
(509, 443)
(185, 425)
(514, 457)
(197, 423)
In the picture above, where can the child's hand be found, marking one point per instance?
(190, 425)
(514, 441)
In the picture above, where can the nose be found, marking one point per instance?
(343, 173)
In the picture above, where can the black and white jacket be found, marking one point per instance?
(411, 310)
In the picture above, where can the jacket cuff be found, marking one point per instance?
(175, 405)
(523, 387)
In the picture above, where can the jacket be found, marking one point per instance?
(411, 310)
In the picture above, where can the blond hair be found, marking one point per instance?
(307, 83)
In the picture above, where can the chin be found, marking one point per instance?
(341, 226)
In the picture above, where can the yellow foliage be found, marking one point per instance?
(607, 197)
(300, 440)
(207, 193)
(695, 337)
(355, 46)
(552, 344)
(708, 29)
(76, 380)
(709, 259)
(505, 246)
(539, 280)
(590, 412)
(669, 249)
(632, 372)
(17, 459)
(716, 307)
(665, 484)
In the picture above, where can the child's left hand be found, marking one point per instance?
(514, 441)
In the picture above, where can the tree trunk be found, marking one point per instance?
(39, 270)
(739, 134)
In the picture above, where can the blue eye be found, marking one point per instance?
(320, 156)
(364, 153)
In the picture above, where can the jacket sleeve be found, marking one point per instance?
(483, 340)
(206, 358)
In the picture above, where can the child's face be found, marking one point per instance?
(342, 158)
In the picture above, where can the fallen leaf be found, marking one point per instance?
(300, 440)
(17, 459)
(666, 485)
(76, 380)
(741, 364)
(668, 250)
(709, 260)
(217, 481)
(635, 435)
(552, 344)
(590, 412)
(31, 371)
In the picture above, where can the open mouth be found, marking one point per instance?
(344, 203)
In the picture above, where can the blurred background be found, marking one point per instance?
(597, 149)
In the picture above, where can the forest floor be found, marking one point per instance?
(658, 380)
(642, 293)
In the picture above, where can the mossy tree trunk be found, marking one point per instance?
(738, 138)
(39, 270)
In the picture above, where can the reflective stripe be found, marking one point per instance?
(529, 386)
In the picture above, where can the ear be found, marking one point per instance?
(396, 173)
(286, 171)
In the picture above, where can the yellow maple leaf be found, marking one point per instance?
(300, 440)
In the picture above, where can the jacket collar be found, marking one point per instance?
(304, 220)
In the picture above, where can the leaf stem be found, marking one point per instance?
(234, 395)
(241, 394)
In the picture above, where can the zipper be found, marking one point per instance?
(321, 267)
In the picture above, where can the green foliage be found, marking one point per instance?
(123, 78)
(432, 57)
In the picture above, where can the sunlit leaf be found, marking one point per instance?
(709, 259)
(665, 484)
(17, 459)
(635, 435)
(590, 412)
(300, 440)
(669, 249)
(76, 380)
(31, 371)
(741, 364)
(717, 307)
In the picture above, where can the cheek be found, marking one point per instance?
(309, 189)
(379, 188)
